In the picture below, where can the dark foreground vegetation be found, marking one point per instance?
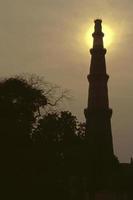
(37, 139)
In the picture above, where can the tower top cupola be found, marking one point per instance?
(98, 34)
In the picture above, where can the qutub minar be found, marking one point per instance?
(98, 114)
(103, 177)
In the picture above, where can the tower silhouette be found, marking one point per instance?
(98, 114)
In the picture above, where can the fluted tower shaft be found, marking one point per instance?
(98, 114)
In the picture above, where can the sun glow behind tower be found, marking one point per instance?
(108, 36)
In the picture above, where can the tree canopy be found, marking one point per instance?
(19, 103)
(38, 139)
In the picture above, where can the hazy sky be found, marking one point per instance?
(47, 37)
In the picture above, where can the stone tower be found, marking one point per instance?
(98, 114)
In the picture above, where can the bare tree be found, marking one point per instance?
(55, 95)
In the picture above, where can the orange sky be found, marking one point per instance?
(46, 37)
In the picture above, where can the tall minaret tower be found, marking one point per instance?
(98, 114)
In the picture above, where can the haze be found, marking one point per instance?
(47, 37)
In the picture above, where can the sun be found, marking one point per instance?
(108, 36)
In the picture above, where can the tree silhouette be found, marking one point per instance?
(55, 130)
(58, 136)
(22, 103)
(40, 145)
(19, 103)
(23, 100)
